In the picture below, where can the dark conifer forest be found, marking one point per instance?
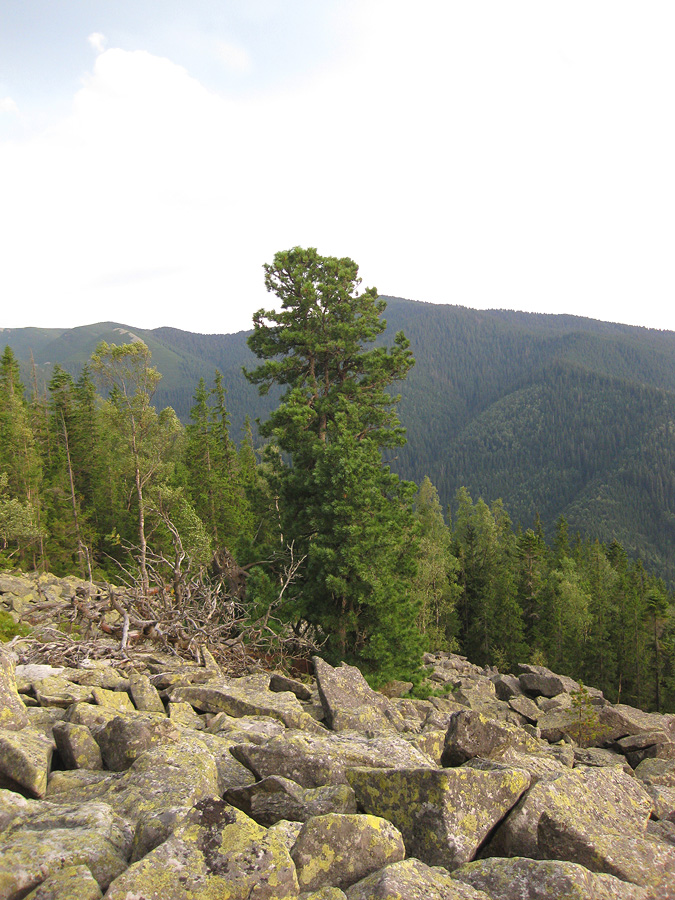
(516, 505)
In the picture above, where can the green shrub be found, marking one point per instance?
(10, 629)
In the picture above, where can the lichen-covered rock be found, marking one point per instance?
(641, 860)
(281, 683)
(144, 694)
(540, 681)
(663, 830)
(431, 742)
(619, 721)
(167, 775)
(181, 713)
(94, 717)
(595, 799)
(76, 746)
(13, 715)
(506, 686)
(529, 879)
(325, 893)
(69, 883)
(11, 805)
(472, 734)
(537, 766)
(58, 691)
(231, 773)
(70, 783)
(526, 707)
(46, 837)
(123, 739)
(275, 798)
(657, 771)
(247, 696)
(97, 673)
(27, 674)
(153, 828)
(443, 814)
(412, 879)
(256, 729)
(287, 832)
(316, 759)
(217, 852)
(339, 850)
(558, 723)
(664, 800)
(350, 704)
(597, 756)
(117, 700)
(25, 757)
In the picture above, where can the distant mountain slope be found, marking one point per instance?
(555, 414)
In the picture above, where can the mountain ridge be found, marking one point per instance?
(555, 414)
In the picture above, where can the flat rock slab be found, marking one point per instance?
(123, 739)
(443, 814)
(256, 729)
(593, 799)
(413, 880)
(69, 883)
(530, 879)
(525, 707)
(620, 721)
(247, 696)
(657, 771)
(167, 775)
(274, 799)
(13, 715)
(281, 683)
(339, 850)
(313, 760)
(181, 713)
(58, 691)
(231, 773)
(540, 681)
(537, 766)
(76, 746)
(218, 852)
(47, 836)
(25, 758)
(144, 694)
(350, 704)
(640, 860)
(470, 734)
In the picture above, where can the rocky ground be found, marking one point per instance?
(144, 776)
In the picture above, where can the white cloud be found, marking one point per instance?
(483, 154)
(7, 105)
(98, 41)
(234, 57)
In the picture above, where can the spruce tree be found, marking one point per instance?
(341, 506)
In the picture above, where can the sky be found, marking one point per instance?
(154, 154)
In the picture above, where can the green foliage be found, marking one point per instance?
(491, 620)
(435, 583)
(142, 442)
(587, 730)
(340, 505)
(18, 525)
(212, 466)
(10, 629)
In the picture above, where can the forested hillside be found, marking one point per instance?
(98, 475)
(552, 414)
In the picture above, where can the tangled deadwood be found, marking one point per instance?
(118, 622)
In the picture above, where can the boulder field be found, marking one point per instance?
(144, 776)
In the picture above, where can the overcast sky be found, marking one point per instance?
(491, 154)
